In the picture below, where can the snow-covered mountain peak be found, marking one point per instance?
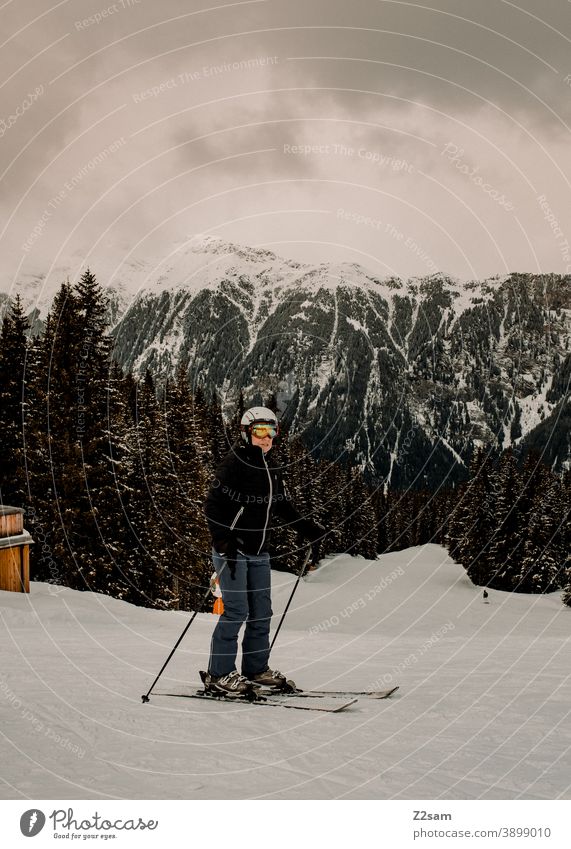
(204, 262)
(215, 245)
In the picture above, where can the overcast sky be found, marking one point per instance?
(409, 137)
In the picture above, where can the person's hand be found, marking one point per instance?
(314, 531)
(315, 555)
(227, 549)
(221, 546)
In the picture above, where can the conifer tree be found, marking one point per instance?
(380, 508)
(37, 477)
(43, 566)
(423, 516)
(94, 525)
(113, 499)
(271, 402)
(184, 503)
(333, 500)
(232, 426)
(457, 521)
(63, 455)
(361, 523)
(542, 562)
(14, 346)
(399, 520)
(220, 437)
(152, 477)
(443, 506)
(506, 545)
(72, 439)
(93, 361)
(478, 521)
(205, 427)
(566, 525)
(286, 555)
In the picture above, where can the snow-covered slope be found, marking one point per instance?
(482, 710)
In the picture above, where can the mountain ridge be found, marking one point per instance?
(402, 377)
(361, 362)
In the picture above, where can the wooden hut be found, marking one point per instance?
(14, 551)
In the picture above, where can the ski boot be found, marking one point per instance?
(231, 686)
(274, 680)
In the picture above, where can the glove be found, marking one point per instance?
(228, 549)
(313, 531)
(315, 553)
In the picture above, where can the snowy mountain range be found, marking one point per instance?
(405, 377)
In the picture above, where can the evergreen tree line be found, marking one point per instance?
(509, 525)
(113, 474)
(113, 471)
(112, 479)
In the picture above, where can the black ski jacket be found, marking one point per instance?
(244, 494)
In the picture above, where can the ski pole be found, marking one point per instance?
(145, 698)
(299, 577)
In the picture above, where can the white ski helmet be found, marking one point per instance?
(256, 415)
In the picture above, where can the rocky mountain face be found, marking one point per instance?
(402, 377)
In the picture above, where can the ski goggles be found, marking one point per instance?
(263, 430)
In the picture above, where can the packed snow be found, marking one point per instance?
(482, 711)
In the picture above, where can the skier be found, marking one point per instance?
(245, 493)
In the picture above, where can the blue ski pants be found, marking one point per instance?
(247, 599)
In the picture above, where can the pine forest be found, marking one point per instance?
(112, 470)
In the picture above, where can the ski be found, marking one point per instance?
(341, 694)
(269, 700)
(267, 692)
(323, 694)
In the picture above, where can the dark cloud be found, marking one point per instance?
(396, 80)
